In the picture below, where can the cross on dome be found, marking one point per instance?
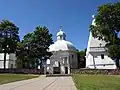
(61, 28)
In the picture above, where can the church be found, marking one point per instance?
(64, 56)
(97, 55)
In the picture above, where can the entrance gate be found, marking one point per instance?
(66, 70)
(56, 70)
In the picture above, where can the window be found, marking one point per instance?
(56, 64)
(48, 61)
(102, 56)
(11, 65)
(65, 60)
(60, 37)
(72, 56)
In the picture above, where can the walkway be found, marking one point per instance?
(41, 83)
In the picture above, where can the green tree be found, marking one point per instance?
(8, 38)
(107, 28)
(34, 47)
(81, 58)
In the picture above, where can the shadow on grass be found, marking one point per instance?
(7, 78)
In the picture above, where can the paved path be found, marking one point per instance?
(41, 83)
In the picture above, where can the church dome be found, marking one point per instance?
(61, 43)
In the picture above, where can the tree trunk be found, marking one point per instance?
(117, 64)
(5, 50)
(4, 60)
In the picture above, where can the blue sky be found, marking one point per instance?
(74, 16)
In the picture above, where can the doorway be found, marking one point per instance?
(66, 70)
(56, 69)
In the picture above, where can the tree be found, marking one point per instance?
(42, 39)
(81, 58)
(34, 47)
(107, 28)
(8, 38)
(22, 55)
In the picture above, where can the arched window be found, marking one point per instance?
(48, 61)
(72, 56)
(11, 65)
(60, 37)
(102, 56)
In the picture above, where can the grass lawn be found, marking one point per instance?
(6, 78)
(87, 82)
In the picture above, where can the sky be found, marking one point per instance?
(74, 16)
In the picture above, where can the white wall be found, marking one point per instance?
(106, 63)
(10, 60)
(73, 60)
(93, 55)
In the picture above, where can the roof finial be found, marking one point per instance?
(93, 16)
(60, 28)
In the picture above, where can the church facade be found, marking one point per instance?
(64, 56)
(97, 55)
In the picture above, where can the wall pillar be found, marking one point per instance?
(62, 70)
(68, 70)
(94, 62)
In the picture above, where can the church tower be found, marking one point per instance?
(96, 54)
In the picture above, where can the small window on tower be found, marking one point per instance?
(72, 56)
(60, 37)
(102, 56)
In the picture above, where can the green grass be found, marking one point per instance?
(7, 78)
(93, 82)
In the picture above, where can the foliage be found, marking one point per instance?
(107, 28)
(34, 48)
(8, 38)
(96, 71)
(22, 71)
(81, 58)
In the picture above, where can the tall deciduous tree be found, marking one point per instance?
(34, 47)
(107, 28)
(8, 38)
(81, 58)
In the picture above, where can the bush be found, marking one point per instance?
(96, 71)
(23, 71)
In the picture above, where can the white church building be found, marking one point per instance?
(64, 56)
(10, 60)
(97, 55)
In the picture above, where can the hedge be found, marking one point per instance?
(23, 71)
(96, 71)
